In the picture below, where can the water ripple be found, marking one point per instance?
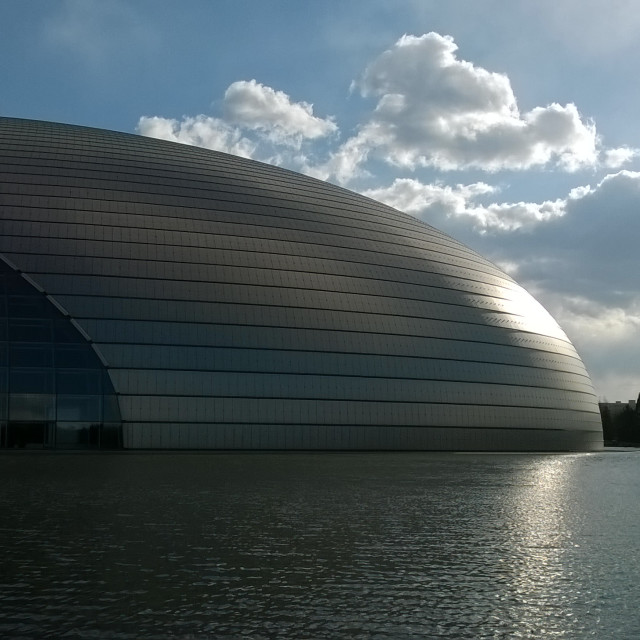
(320, 546)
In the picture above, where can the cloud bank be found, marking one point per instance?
(436, 199)
(254, 106)
(258, 122)
(431, 109)
(200, 131)
(436, 110)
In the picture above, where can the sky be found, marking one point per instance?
(512, 126)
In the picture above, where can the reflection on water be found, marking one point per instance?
(319, 545)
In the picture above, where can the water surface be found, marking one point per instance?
(405, 545)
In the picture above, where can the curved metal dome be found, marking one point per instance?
(238, 305)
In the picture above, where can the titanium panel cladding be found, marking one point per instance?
(236, 305)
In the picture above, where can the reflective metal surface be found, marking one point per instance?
(225, 296)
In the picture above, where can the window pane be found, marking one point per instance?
(30, 435)
(76, 382)
(77, 434)
(32, 407)
(31, 380)
(79, 408)
(28, 306)
(76, 356)
(29, 330)
(31, 355)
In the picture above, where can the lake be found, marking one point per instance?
(320, 545)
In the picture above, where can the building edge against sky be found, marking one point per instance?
(156, 295)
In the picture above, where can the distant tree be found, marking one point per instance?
(609, 432)
(627, 426)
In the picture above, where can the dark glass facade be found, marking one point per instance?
(54, 390)
(212, 302)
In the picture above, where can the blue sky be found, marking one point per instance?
(511, 125)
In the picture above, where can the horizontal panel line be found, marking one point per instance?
(285, 270)
(350, 426)
(347, 294)
(294, 328)
(471, 256)
(240, 171)
(506, 281)
(360, 401)
(513, 285)
(349, 376)
(376, 215)
(357, 313)
(491, 363)
(269, 208)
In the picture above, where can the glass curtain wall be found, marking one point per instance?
(54, 390)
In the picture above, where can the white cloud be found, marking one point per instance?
(435, 110)
(201, 131)
(257, 107)
(346, 163)
(414, 197)
(512, 216)
(432, 110)
(615, 158)
(258, 122)
(437, 200)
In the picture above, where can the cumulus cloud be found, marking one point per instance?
(431, 109)
(577, 253)
(200, 131)
(436, 110)
(438, 200)
(615, 158)
(257, 122)
(347, 162)
(414, 197)
(255, 106)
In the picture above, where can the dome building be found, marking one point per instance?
(160, 296)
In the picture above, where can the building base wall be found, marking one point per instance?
(354, 438)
